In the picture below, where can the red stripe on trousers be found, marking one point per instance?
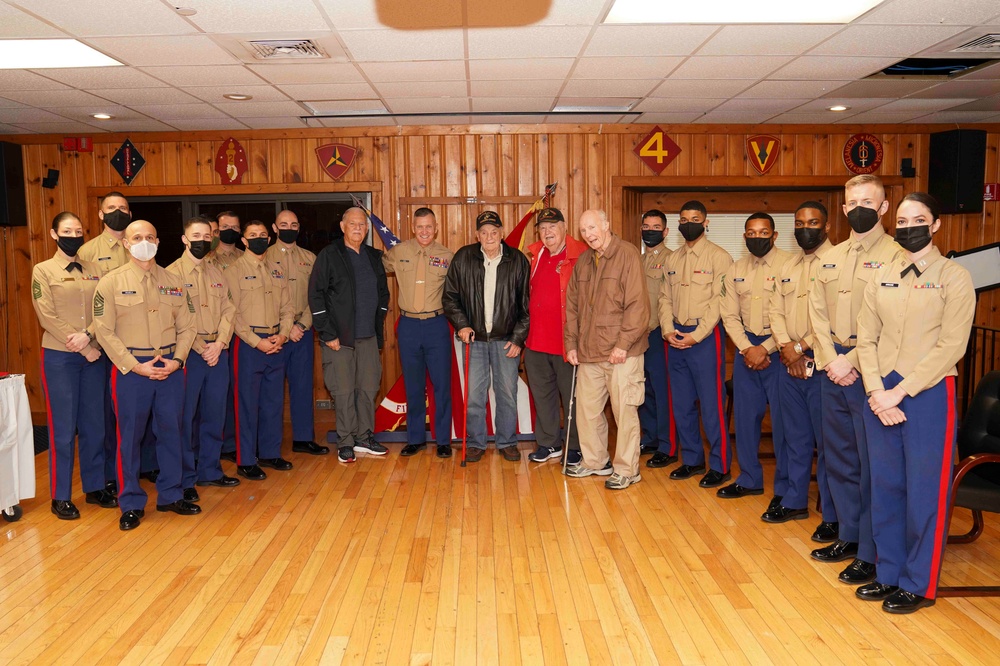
(52, 431)
(236, 396)
(942, 509)
(118, 427)
(719, 384)
(670, 400)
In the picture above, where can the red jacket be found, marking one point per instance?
(574, 249)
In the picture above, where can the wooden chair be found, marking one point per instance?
(976, 481)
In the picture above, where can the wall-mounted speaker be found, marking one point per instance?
(958, 170)
(13, 206)
(51, 180)
(906, 169)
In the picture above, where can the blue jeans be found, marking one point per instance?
(486, 359)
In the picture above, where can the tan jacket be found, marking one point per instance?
(653, 261)
(105, 251)
(63, 301)
(916, 326)
(213, 306)
(606, 304)
(692, 289)
(789, 306)
(747, 298)
(297, 264)
(263, 302)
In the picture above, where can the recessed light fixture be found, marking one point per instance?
(102, 116)
(738, 11)
(838, 107)
(48, 53)
(237, 97)
(186, 11)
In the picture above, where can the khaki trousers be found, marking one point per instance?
(624, 384)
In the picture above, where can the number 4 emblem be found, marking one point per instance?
(657, 150)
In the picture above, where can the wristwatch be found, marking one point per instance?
(798, 348)
(181, 361)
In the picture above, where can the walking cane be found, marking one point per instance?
(465, 406)
(569, 418)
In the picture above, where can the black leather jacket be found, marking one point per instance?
(463, 294)
(331, 293)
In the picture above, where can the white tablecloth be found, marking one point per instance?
(17, 447)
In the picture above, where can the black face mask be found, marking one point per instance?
(691, 230)
(70, 245)
(809, 238)
(759, 246)
(913, 239)
(229, 236)
(257, 245)
(652, 237)
(862, 219)
(199, 248)
(117, 220)
(288, 236)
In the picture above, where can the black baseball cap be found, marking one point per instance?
(549, 215)
(488, 217)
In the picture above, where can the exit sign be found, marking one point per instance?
(657, 150)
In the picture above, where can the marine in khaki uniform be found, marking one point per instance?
(145, 322)
(296, 264)
(207, 370)
(425, 343)
(913, 329)
(224, 254)
(263, 322)
(834, 305)
(689, 320)
(73, 377)
(756, 370)
(798, 383)
(659, 433)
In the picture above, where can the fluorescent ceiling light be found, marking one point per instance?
(738, 11)
(590, 109)
(48, 53)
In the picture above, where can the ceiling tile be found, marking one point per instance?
(952, 116)
(90, 18)
(772, 106)
(514, 69)
(745, 40)
(215, 94)
(925, 105)
(274, 122)
(987, 72)
(85, 113)
(131, 125)
(15, 24)
(814, 118)
(529, 42)
(303, 72)
(612, 88)
(830, 68)
(962, 88)
(516, 88)
(382, 45)
(728, 67)
(330, 91)
(354, 122)
(204, 124)
(427, 70)
(573, 12)
(932, 12)
(192, 75)
(103, 77)
(10, 129)
(856, 104)
(880, 87)
(243, 16)
(49, 98)
(735, 117)
(429, 105)
(352, 15)
(168, 112)
(604, 102)
(985, 104)
(502, 104)
(621, 67)
(668, 118)
(676, 105)
(423, 89)
(582, 118)
(450, 121)
(11, 104)
(255, 109)
(648, 40)
(335, 106)
(131, 96)
(875, 118)
(19, 79)
(508, 120)
(880, 40)
(28, 115)
(791, 88)
(692, 88)
(149, 51)
(58, 127)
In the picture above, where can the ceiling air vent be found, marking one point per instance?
(285, 49)
(984, 44)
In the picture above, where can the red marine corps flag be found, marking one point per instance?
(231, 162)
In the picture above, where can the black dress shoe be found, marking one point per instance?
(180, 507)
(130, 520)
(150, 476)
(511, 453)
(735, 491)
(838, 551)
(857, 572)
(782, 514)
(221, 482)
(279, 464)
(473, 454)
(660, 459)
(65, 510)
(444, 451)
(191, 495)
(774, 503)
(686, 472)
(826, 532)
(312, 448)
(102, 498)
(112, 487)
(228, 455)
(646, 449)
(875, 591)
(902, 602)
(412, 449)
(713, 479)
(251, 472)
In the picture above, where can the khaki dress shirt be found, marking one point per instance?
(747, 298)
(420, 274)
(789, 306)
(653, 260)
(213, 307)
(105, 251)
(263, 301)
(296, 263)
(63, 300)
(691, 292)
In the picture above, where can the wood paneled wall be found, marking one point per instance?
(457, 171)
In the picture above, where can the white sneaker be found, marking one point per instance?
(578, 471)
(621, 482)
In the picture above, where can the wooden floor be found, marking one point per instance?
(417, 560)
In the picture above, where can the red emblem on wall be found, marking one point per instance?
(231, 162)
(763, 151)
(863, 154)
(656, 150)
(336, 158)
